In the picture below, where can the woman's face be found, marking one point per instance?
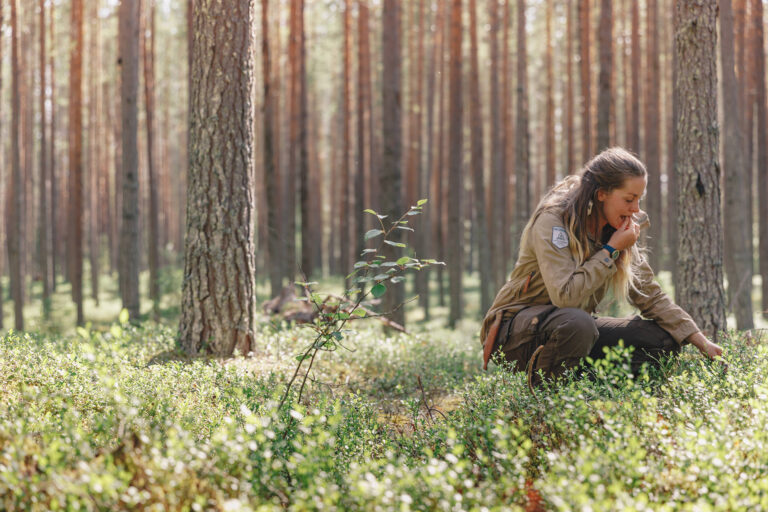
(621, 203)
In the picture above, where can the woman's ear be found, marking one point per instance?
(601, 195)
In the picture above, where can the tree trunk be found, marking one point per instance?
(605, 37)
(476, 123)
(362, 173)
(738, 258)
(303, 147)
(217, 311)
(390, 177)
(762, 147)
(522, 164)
(15, 202)
(498, 191)
(129, 228)
(430, 212)
(270, 152)
(586, 91)
(652, 138)
(95, 145)
(346, 111)
(455, 185)
(700, 276)
(76, 158)
(44, 227)
(549, 147)
(54, 188)
(568, 128)
(149, 102)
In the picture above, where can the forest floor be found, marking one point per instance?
(114, 416)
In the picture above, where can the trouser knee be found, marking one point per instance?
(571, 334)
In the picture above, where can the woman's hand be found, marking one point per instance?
(625, 236)
(706, 347)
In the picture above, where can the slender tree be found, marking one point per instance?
(476, 140)
(43, 230)
(2, 186)
(605, 98)
(302, 149)
(549, 147)
(217, 310)
(761, 145)
(346, 113)
(129, 82)
(454, 177)
(269, 154)
(586, 90)
(153, 245)
(498, 195)
(391, 165)
(633, 121)
(568, 128)
(738, 258)
(54, 183)
(699, 287)
(15, 202)
(652, 138)
(522, 163)
(76, 157)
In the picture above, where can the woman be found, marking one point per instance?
(581, 241)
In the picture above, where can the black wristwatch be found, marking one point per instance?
(615, 253)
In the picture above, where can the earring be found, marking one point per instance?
(589, 207)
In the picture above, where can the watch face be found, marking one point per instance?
(615, 254)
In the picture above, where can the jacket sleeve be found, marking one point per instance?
(568, 283)
(656, 305)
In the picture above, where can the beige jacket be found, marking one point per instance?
(553, 276)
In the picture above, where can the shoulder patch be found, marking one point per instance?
(559, 237)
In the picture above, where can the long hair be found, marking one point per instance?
(576, 198)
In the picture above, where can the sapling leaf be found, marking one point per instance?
(395, 244)
(359, 312)
(421, 202)
(378, 290)
(405, 228)
(380, 277)
(368, 210)
(397, 279)
(403, 260)
(372, 234)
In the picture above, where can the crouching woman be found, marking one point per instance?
(581, 241)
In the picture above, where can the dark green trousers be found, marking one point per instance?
(570, 334)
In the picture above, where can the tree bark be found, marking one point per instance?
(76, 157)
(652, 139)
(15, 194)
(634, 121)
(478, 164)
(498, 191)
(129, 227)
(270, 151)
(762, 146)
(550, 148)
(738, 258)
(586, 91)
(455, 184)
(700, 251)
(390, 177)
(605, 37)
(148, 37)
(217, 311)
(44, 227)
(346, 111)
(522, 163)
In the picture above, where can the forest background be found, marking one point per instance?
(494, 103)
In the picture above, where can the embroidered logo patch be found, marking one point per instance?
(559, 237)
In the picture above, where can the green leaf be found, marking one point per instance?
(338, 335)
(372, 234)
(378, 290)
(413, 212)
(124, 316)
(382, 217)
(361, 264)
(368, 210)
(405, 228)
(389, 264)
(395, 244)
(380, 277)
(403, 260)
(367, 251)
(421, 202)
(397, 279)
(359, 312)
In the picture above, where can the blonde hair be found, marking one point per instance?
(572, 197)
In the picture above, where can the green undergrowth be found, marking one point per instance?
(122, 420)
